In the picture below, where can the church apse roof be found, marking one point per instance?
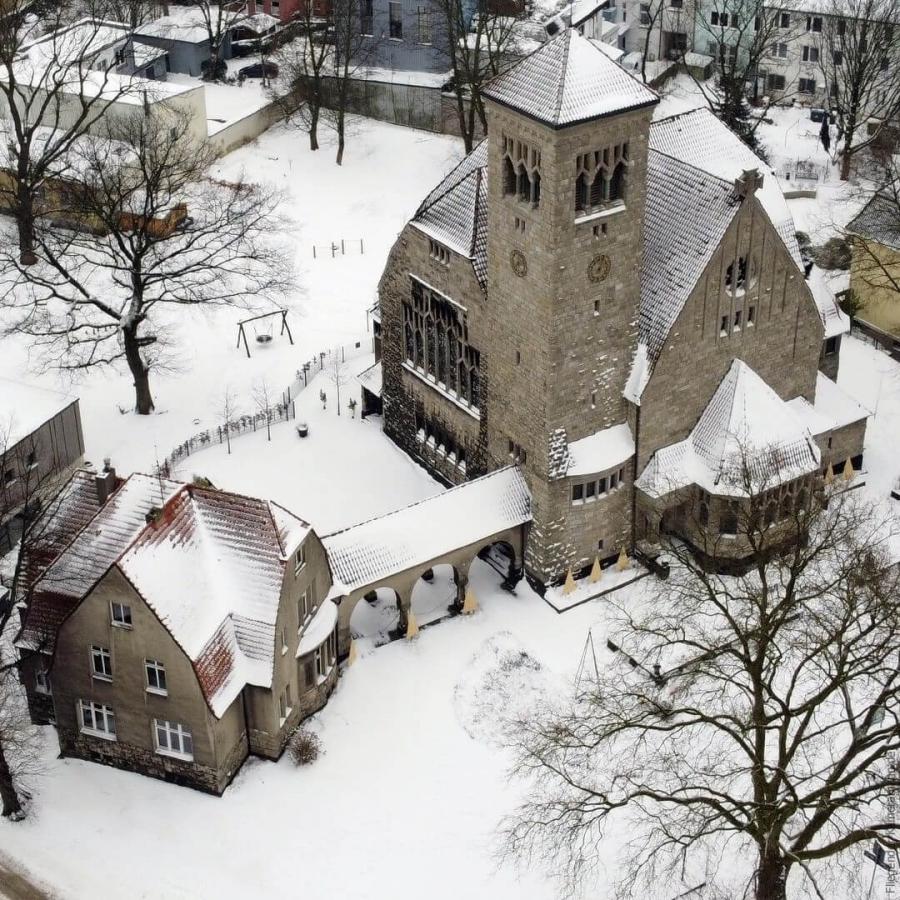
(567, 81)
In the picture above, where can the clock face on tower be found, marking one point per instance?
(519, 263)
(598, 268)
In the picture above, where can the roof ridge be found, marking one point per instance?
(475, 210)
(450, 490)
(429, 200)
(560, 88)
(694, 166)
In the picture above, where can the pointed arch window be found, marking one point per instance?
(601, 179)
(521, 171)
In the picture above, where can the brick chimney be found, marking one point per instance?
(105, 482)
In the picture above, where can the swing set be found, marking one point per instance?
(263, 334)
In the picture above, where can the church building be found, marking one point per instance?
(614, 302)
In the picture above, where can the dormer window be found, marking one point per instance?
(600, 178)
(521, 171)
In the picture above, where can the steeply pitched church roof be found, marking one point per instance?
(455, 212)
(569, 80)
(746, 433)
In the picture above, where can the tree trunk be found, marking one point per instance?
(12, 808)
(771, 878)
(143, 399)
(340, 131)
(846, 159)
(25, 224)
(314, 128)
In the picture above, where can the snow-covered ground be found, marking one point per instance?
(407, 796)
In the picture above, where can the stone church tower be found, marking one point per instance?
(567, 159)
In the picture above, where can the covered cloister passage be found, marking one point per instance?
(395, 550)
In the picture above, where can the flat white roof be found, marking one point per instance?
(25, 407)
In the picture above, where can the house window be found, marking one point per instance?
(613, 481)
(780, 50)
(775, 82)
(156, 677)
(309, 675)
(120, 615)
(676, 4)
(101, 663)
(719, 19)
(838, 57)
(42, 677)
(645, 15)
(395, 16)
(784, 20)
(751, 315)
(601, 486)
(284, 643)
(365, 17)
(728, 523)
(302, 609)
(831, 346)
(299, 559)
(423, 17)
(814, 23)
(173, 739)
(282, 708)
(807, 85)
(811, 54)
(97, 719)
(578, 493)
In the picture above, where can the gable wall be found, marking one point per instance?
(219, 745)
(783, 345)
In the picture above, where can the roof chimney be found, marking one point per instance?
(748, 183)
(105, 482)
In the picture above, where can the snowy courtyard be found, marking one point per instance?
(406, 799)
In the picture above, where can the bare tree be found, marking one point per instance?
(53, 89)
(218, 18)
(129, 12)
(859, 55)
(757, 712)
(743, 37)
(170, 237)
(303, 65)
(337, 375)
(351, 50)
(651, 15)
(227, 413)
(481, 46)
(263, 397)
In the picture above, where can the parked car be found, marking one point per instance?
(259, 70)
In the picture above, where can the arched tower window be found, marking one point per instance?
(509, 176)
(582, 201)
(524, 183)
(521, 171)
(617, 183)
(600, 178)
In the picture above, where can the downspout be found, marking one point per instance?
(246, 717)
(634, 476)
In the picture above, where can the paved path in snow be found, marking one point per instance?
(14, 887)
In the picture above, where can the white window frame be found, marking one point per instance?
(99, 713)
(300, 559)
(176, 733)
(158, 669)
(42, 678)
(284, 644)
(303, 609)
(103, 655)
(116, 622)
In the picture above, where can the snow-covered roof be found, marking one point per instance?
(598, 452)
(319, 628)
(25, 407)
(371, 551)
(746, 427)
(879, 221)
(183, 23)
(211, 567)
(832, 408)
(569, 80)
(78, 41)
(822, 285)
(371, 379)
(90, 555)
(693, 164)
(455, 212)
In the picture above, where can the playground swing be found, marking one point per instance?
(263, 333)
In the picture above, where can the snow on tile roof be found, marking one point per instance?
(91, 554)
(211, 567)
(455, 212)
(569, 80)
(371, 379)
(25, 407)
(371, 551)
(699, 138)
(879, 221)
(834, 320)
(603, 450)
(745, 423)
(687, 213)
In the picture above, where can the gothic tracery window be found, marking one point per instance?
(600, 178)
(521, 171)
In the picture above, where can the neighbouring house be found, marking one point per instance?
(184, 38)
(875, 270)
(41, 443)
(539, 307)
(173, 629)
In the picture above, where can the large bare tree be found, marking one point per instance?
(53, 88)
(751, 717)
(219, 19)
(151, 233)
(859, 55)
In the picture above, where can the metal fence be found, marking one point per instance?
(804, 171)
(282, 411)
